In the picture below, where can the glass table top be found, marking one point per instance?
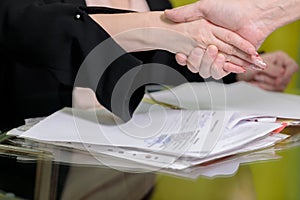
(39, 171)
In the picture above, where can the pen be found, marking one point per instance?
(3, 136)
(168, 105)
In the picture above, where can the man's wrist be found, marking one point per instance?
(277, 14)
(203, 8)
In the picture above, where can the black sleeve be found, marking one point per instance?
(230, 78)
(59, 36)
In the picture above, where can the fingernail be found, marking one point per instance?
(242, 71)
(258, 61)
(256, 68)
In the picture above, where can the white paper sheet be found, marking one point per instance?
(170, 131)
(259, 143)
(239, 96)
(226, 167)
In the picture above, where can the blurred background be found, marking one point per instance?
(261, 175)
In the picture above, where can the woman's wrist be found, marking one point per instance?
(145, 31)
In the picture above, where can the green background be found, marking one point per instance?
(262, 181)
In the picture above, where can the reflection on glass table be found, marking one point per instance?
(33, 170)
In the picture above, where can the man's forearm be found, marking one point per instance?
(277, 13)
(271, 14)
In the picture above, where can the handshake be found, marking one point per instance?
(212, 38)
(247, 22)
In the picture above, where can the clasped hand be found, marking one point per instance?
(218, 51)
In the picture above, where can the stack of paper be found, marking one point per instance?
(184, 137)
(207, 130)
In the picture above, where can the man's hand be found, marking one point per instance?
(254, 20)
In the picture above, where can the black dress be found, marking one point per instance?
(42, 45)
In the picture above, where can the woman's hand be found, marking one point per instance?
(277, 76)
(208, 63)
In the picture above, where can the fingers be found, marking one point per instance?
(186, 13)
(265, 79)
(231, 51)
(275, 65)
(270, 83)
(274, 71)
(268, 87)
(234, 39)
(211, 64)
(231, 67)
(237, 65)
(278, 74)
(208, 63)
(287, 75)
(195, 59)
(290, 67)
(217, 69)
(233, 45)
(210, 55)
(238, 62)
(181, 59)
(246, 76)
(238, 57)
(281, 67)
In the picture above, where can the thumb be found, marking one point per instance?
(186, 13)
